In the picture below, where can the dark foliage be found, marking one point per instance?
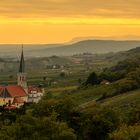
(92, 79)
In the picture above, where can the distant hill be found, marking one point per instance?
(31, 50)
(92, 46)
(43, 61)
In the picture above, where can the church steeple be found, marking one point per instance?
(21, 76)
(22, 63)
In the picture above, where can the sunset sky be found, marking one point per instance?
(57, 21)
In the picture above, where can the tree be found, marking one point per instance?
(44, 78)
(32, 128)
(92, 79)
(62, 74)
(100, 123)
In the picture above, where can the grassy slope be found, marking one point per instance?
(80, 96)
(119, 101)
(125, 99)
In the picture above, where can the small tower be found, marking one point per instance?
(21, 76)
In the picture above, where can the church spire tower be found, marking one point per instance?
(21, 76)
(22, 63)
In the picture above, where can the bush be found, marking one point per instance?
(100, 123)
(126, 133)
(92, 79)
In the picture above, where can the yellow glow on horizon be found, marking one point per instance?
(64, 20)
(63, 29)
(52, 21)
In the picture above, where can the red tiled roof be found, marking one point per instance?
(18, 100)
(34, 88)
(16, 91)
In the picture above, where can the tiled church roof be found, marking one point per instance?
(12, 91)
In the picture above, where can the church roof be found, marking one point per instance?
(12, 91)
(22, 63)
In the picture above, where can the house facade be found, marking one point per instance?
(34, 94)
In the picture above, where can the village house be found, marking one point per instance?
(34, 94)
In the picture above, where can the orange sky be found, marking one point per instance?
(54, 21)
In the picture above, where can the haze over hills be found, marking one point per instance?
(117, 38)
(41, 63)
(92, 46)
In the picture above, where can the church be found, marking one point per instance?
(14, 96)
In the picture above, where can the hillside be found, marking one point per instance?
(129, 98)
(122, 55)
(79, 65)
(120, 101)
(80, 101)
(44, 50)
(92, 46)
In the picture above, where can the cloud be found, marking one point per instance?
(69, 8)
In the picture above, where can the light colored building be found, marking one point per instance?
(34, 94)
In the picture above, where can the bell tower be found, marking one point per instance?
(21, 76)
